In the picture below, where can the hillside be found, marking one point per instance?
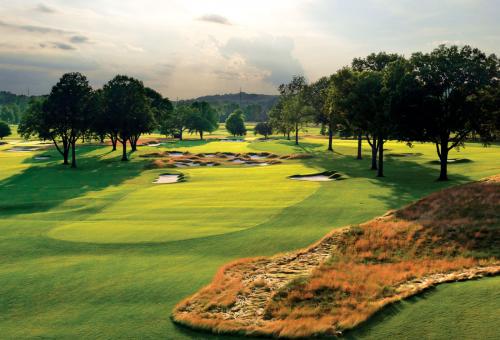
(255, 106)
(342, 280)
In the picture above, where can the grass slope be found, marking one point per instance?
(123, 283)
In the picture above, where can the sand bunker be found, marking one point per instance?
(23, 149)
(326, 176)
(168, 179)
(453, 161)
(42, 158)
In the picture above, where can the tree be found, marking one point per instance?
(278, 121)
(454, 83)
(374, 61)
(4, 129)
(235, 123)
(161, 108)
(64, 117)
(295, 110)
(204, 119)
(263, 128)
(176, 123)
(319, 96)
(127, 109)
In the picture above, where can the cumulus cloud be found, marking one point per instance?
(272, 55)
(215, 18)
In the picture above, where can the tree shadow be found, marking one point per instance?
(48, 184)
(407, 178)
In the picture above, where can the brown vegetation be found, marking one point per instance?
(350, 274)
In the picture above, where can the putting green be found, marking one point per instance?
(213, 201)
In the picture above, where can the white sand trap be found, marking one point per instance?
(42, 158)
(175, 154)
(167, 179)
(257, 157)
(238, 161)
(210, 155)
(156, 144)
(313, 178)
(23, 149)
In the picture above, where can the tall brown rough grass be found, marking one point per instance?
(450, 235)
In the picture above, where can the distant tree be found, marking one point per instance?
(161, 108)
(64, 117)
(454, 89)
(204, 119)
(263, 128)
(4, 129)
(235, 123)
(319, 97)
(178, 122)
(295, 110)
(127, 109)
(278, 121)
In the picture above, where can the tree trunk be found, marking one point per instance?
(330, 137)
(443, 158)
(133, 143)
(73, 154)
(296, 134)
(374, 154)
(114, 140)
(360, 140)
(380, 145)
(201, 135)
(180, 134)
(65, 152)
(288, 135)
(124, 154)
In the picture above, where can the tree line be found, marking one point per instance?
(122, 111)
(442, 97)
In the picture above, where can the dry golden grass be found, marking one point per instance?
(450, 235)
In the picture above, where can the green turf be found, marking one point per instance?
(102, 252)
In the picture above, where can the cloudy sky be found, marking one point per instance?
(189, 48)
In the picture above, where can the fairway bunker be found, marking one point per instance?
(23, 149)
(405, 154)
(453, 161)
(169, 179)
(42, 158)
(326, 176)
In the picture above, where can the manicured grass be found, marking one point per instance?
(149, 245)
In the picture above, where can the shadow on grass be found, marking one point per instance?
(50, 183)
(407, 179)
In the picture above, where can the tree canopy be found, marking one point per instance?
(235, 123)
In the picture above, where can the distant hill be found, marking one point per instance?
(255, 106)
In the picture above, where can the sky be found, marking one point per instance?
(189, 48)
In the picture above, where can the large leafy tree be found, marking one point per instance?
(263, 128)
(161, 107)
(454, 84)
(64, 117)
(204, 119)
(319, 96)
(295, 109)
(235, 123)
(127, 109)
(4, 129)
(278, 120)
(178, 121)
